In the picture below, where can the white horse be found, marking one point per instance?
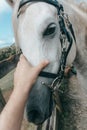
(37, 32)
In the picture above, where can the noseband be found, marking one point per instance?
(66, 39)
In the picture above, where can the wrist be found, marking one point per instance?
(21, 89)
(20, 95)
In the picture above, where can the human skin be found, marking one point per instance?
(24, 78)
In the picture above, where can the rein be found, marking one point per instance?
(67, 37)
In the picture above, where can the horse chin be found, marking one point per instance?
(39, 105)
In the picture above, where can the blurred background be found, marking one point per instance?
(6, 31)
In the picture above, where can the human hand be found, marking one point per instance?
(26, 75)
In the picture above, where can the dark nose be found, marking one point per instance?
(39, 104)
(35, 115)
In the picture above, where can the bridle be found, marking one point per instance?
(66, 39)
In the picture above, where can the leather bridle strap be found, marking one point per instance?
(52, 2)
(48, 75)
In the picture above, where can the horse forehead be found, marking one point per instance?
(41, 10)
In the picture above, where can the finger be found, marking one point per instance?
(42, 65)
(18, 64)
(21, 57)
(24, 59)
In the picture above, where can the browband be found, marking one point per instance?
(52, 2)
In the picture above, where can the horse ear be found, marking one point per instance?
(11, 2)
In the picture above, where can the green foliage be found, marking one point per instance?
(7, 52)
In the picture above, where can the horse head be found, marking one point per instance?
(37, 33)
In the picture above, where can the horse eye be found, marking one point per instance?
(50, 30)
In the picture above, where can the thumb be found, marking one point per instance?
(41, 66)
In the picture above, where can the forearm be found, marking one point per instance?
(12, 115)
(24, 78)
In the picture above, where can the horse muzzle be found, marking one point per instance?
(39, 105)
(36, 115)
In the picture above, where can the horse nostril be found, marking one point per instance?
(35, 116)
